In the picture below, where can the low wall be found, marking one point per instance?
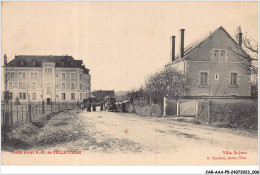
(231, 111)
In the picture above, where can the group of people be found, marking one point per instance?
(88, 106)
(103, 106)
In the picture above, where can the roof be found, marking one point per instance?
(103, 93)
(191, 47)
(37, 60)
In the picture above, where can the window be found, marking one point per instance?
(80, 96)
(34, 96)
(63, 75)
(22, 85)
(63, 85)
(72, 96)
(80, 77)
(48, 69)
(48, 90)
(63, 96)
(72, 75)
(12, 75)
(72, 85)
(219, 55)
(215, 55)
(233, 79)
(222, 55)
(80, 85)
(33, 75)
(203, 78)
(22, 95)
(216, 76)
(33, 85)
(21, 75)
(10, 85)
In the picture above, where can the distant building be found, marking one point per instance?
(214, 69)
(48, 78)
(101, 94)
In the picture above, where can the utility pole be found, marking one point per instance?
(209, 104)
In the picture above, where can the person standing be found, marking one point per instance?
(94, 106)
(89, 107)
(123, 107)
(101, 106)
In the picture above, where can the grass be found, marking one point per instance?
(45, 131)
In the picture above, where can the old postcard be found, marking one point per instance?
(129, 83)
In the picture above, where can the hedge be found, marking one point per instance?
(238, 115)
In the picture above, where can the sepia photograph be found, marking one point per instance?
(129, 83)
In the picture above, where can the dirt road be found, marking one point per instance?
(168, 141)
(108, 138)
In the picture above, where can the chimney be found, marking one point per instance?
(173, 48)
(182, 43)
(240, 36)
(5, 60)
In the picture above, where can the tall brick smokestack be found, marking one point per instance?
(240, 36)
(182, 43)
(173, 48)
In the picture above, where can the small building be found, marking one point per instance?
(102, 94)
(48, 78)
(212, 65)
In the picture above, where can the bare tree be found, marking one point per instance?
(247, 52)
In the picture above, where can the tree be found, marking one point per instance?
(247, 52)
(168, 82)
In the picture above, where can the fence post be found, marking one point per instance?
(11, 109)
(178, 108)
(43, 110)
(164, 106)
(17, 110)
(22, 112)
(209, 116)
(26, 113)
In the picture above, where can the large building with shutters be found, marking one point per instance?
(48, 78)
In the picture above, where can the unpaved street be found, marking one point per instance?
(167, 140)
(109, 138)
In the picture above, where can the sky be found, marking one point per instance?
(120, 42)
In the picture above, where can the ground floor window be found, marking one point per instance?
(233, 79)
(34, 96)
(22, 95)
(63, 96)
(72, 96)
(203, 78)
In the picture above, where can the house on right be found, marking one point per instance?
(213, 65)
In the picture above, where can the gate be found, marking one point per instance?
(188, 108)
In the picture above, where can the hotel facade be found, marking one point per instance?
(47, 78)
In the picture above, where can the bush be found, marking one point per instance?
(239, 115)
